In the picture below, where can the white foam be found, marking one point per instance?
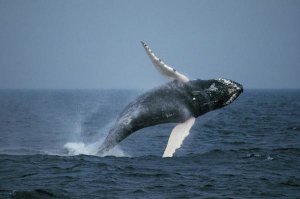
(269, 158)
(80, 148)
(77, 148)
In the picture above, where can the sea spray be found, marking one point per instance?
(78, 148)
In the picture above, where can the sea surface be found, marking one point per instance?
(48, 138)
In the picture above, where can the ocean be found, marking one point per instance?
(48, 138)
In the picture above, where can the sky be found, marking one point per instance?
(95, 44)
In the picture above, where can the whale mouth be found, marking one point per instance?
(232, 98)
(234, 89)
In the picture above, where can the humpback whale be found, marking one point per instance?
(180, 101)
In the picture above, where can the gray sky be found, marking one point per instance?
(96, 44)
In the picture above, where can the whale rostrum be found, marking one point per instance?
(179, 101)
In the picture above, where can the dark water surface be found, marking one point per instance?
(250, 149)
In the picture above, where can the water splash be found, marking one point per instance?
(85, 144)
(78, 148)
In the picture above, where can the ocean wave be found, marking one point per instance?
(79, 149)
(38, 194)
(23, 151)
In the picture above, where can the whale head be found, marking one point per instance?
(214, 94)
(229, 91)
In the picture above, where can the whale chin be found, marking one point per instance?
(233, 96)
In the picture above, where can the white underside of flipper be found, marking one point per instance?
(163, 68)
(178, 134)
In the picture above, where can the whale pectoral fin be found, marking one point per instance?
(163, 68)
(178, 134)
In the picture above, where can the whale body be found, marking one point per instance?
(179, 101)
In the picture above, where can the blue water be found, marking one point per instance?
(250, 149)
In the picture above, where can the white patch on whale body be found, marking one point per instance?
(178, 134)
(232, 89)
(213, 87)
(231, 99)
(228, 83)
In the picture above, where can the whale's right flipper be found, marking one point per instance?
(177, 136)
(164, 68)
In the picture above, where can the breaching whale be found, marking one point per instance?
(179, 101)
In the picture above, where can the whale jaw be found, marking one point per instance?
(234, 89)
